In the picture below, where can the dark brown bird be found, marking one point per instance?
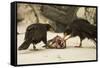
(34, 34)
(81, 28)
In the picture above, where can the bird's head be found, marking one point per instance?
(49, 27)
(67, 31)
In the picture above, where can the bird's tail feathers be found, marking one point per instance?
(24, 45)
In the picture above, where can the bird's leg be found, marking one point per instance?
(45, 42)
(34, 47)
(80, 45)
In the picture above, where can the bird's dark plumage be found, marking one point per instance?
(81, 28)
(34, 34)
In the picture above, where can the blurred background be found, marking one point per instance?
(58, 16)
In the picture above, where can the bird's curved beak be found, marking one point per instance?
(51, 29)
(65, 34)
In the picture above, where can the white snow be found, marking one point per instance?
(69, 54)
